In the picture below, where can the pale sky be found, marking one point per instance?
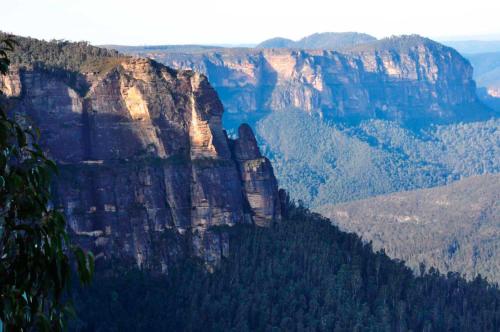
(142, 22)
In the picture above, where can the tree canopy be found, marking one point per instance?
(302, 274)
(35, 249)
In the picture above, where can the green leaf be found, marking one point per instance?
(21, 137)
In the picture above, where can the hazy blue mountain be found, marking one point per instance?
(325, 40)
(277, 42)
(483, 64)
(149, 49)
(474, 46)
(486, 69)
(487, 76)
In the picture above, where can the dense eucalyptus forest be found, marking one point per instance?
(302, 274)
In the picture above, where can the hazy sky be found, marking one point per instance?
(139, 22)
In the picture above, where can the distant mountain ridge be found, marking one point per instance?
(468, 47)
(486, 71)
(454, 227)
(406, 78)
(325, 40)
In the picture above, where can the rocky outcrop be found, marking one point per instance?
(407, 78)
(144, 160)
(258, 178)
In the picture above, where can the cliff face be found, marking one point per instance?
(144, 159)
(406, 78)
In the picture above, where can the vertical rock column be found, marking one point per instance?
(260, 187)
(216, 189)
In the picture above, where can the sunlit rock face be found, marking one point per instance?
(494, 92)
(407, 78)
(145, 163)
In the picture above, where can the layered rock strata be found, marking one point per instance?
(406, 78)
(144, 160)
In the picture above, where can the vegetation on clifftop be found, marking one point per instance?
(61, 54)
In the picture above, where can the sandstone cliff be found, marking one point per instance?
(144, 159)
(407, 78)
